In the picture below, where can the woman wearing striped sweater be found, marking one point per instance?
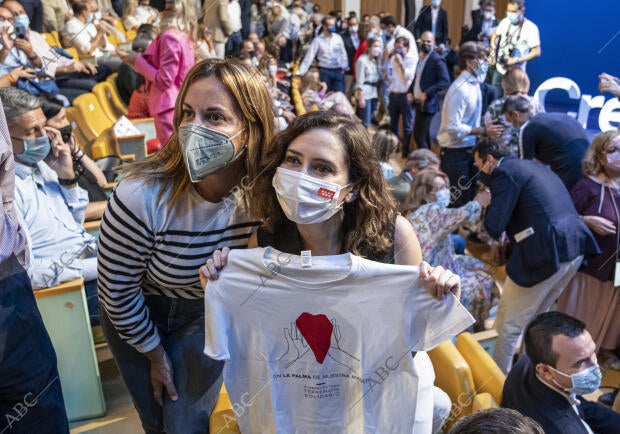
(168, 214)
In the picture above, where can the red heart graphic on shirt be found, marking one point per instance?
(317, 331)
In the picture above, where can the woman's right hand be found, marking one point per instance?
(361, 103)
(210, 270)
(162, 375)
(600, 225)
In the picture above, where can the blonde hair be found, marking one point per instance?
(130, 7)
(421, 187)
(184, 19)
(591, 165)
(167, 167)
(368, 223)
(516, 81)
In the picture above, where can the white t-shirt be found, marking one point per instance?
(523, 38)
(326, 348)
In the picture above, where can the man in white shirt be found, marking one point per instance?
(331, 54)
(460, 123)
(88, 38)
(235, 41)
(400, 72)
(515, 42)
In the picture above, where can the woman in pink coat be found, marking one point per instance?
(165, 63)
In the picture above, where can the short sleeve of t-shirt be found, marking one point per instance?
(530, 34)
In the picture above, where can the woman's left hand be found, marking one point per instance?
(128, 57)
(439, 281)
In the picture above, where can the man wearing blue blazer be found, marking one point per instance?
(431, 78)
(531, 204)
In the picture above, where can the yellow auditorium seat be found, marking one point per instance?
(487, 375)
(114, 39)
(73, 52)
(110, 100)
(483, 401)
(453, 376)
(65, 315)
(50, 39)
(223, 420)
(131, 35)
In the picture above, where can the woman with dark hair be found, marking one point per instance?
(333, 154)
(170, 211)
(89, 175)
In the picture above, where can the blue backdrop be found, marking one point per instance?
(579, 40)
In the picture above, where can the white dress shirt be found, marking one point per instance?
(367, 71)
(460, 113)
(417, 90)
(396, 84)
(329, 51)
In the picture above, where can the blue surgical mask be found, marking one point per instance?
(205, 150)
(399, 51)
(23, 21)
(97, 16)
(584, 382)
(273, 69)
(332, 29)
(443, 198)
(35, 150)
(436, 3)
(481, 71)
(90, 19)
(513, 17)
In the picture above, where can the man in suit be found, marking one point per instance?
(530, 203)
(560, 366)
(483, 25)
(432, 19)
(351, 39)
(431, 77)
(554, 139)
(418, 160)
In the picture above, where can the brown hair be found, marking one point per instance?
(385, 143)
(368, 224)
(167, 167)
(591, 165)
(421, 187)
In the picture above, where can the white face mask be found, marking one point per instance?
(375, 51)
(306, 199)
(443, 198)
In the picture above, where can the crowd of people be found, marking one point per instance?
(282, 129)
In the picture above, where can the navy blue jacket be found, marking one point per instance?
(530, 202)
(557, 140)
(435, 78)
(424, 23)
(524, 392)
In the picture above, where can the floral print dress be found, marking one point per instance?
(433, 225)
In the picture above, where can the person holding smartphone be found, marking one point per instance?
(48, 200)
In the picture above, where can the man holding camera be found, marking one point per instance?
(17, 52)
(515, 42)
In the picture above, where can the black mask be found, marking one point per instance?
(426, 48)
(252, 53)
(66, 132)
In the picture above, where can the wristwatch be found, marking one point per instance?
(68, 182)
(77, 156)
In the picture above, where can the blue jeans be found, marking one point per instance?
(30, 394)
(367, 112)
(198, 379)
(334, 78)
(496, 81)
(399, 106)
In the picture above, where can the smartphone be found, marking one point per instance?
(160, 5)
(20, 31)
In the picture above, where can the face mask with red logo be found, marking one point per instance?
(305, 199)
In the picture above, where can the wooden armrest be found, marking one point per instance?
(142, 121)
(128, 157)
(70, 286)
(110, 185)
(92, 226)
